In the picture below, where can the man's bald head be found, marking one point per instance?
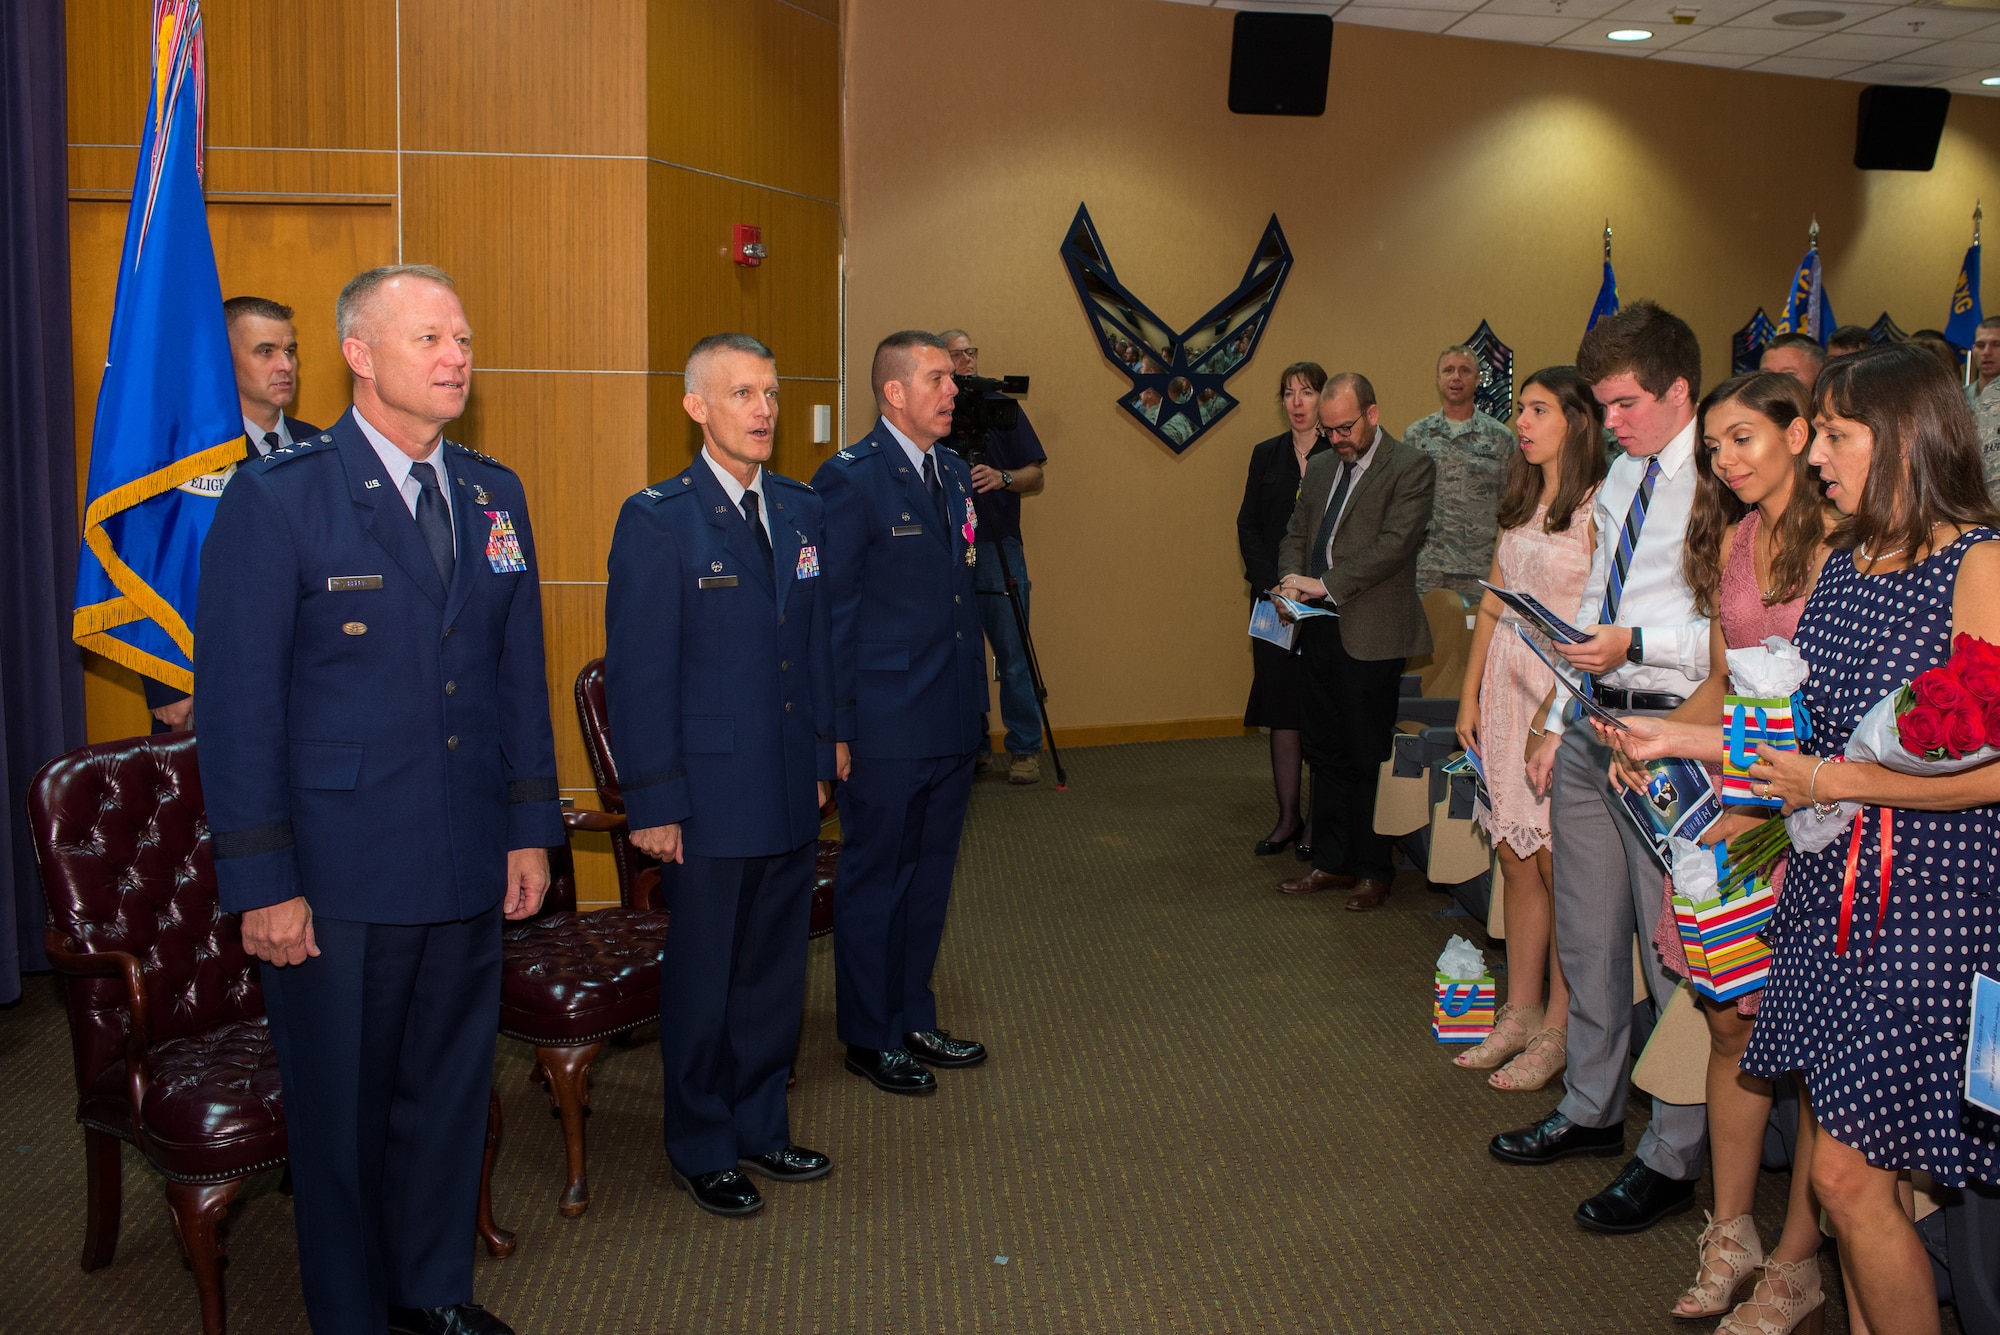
(354, 310)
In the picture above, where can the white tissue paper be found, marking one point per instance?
(1695, 874)
(1461, 959)
(1771, 672)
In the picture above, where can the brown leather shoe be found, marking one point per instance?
(1369, 892)
(1315, 881)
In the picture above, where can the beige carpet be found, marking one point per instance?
(1210, 1108)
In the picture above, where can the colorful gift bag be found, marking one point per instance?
(1726, 957)
(1462, 1010)
(1749, 723)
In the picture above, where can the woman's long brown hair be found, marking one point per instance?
(1780, 400)
(1580, 466)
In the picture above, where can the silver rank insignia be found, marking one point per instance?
(971, 555)
(479, 496)
(715, 566)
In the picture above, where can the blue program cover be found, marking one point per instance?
(1679, 802)
(1265, 625)
(1982, 1050)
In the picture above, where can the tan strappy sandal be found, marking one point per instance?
(1730, 1254)
(1788, 1300)
(1546, 1057)
(1512, 1028)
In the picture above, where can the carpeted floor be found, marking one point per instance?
(1210, 1108)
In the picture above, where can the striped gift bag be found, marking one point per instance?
(1726, 957)
(1462, 1011)
(1749, 723)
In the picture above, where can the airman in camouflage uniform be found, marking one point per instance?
(1984, 395)
(1471, 451)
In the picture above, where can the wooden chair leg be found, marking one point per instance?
(104, 1185)
(499, 1242)
(198, 1209)
(568, 1074)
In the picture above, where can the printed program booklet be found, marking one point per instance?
(1536, 614)
(1982, 1050)
(1588, 705)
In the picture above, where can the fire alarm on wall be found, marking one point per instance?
(746, 245)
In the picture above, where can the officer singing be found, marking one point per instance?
(719, 678)
(380, 780)
(909, 686)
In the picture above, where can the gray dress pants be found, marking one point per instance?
(1607, 886)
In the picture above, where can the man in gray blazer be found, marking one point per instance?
(1352, 547)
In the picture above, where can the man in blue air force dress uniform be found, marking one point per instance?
(720, 684)
(381, 791)
(909, 685)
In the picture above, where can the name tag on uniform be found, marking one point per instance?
(716, 582)
(808, 562)
(350, 583)
(906, 530)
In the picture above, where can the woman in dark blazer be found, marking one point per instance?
(1272, 489)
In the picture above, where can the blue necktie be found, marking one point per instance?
(757, 532)
(434, 519)
(1331, 521)
(1628, 541)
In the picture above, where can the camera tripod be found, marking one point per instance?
(1009, 589)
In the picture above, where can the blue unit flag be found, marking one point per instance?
(169, 429)
(1607, 297)
(1807, 310)
(1966, 312)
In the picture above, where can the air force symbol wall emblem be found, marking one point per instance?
(1178, 380)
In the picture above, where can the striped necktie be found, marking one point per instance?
(1628, 541)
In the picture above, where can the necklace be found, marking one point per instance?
(1872, 557)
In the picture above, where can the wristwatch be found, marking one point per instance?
(1636, 651)
(1006, 478)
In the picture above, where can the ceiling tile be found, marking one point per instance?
(1415, 20)
(1969, 84)
(1857, 47)
(1538, 31)
(1934, 24)
(1592, 37)
(1904, 72)
(1574, 10)
(1743, 41)
(1710, 11)
(1682, 55)
(1812, 69)
(1455, 6)
(1974, 53)
(1850, 14)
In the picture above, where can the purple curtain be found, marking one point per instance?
(41, 671)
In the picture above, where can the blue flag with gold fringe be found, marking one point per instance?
(1607, 296)
(1807, 310)
(169, 428)
(1966, 312)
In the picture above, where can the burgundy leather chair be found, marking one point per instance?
(571, 980)
(639, 875)
(167, 1028)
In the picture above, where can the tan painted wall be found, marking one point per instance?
(1451, 180)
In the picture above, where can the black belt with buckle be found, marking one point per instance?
(1613, 698)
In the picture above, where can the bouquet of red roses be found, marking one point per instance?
(1946, 720)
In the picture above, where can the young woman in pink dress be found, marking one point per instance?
(1755, 542)
(1546, 540)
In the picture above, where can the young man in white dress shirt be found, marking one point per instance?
(1647, 651)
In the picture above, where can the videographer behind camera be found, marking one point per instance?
(1006, 465)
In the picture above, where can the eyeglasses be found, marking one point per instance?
(956, 353)
(1343, 431)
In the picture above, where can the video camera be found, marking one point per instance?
(984, 405)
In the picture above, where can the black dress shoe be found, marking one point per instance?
(894, 1071)
(1305, 852)
(725, 1192)
(463, 1319)
(936, 1047)
(794, 1163)
(1556, 1137)
(1637, 1199)
(1266, 847)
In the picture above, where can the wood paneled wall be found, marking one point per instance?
(577, 168)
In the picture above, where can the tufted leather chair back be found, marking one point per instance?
(595, 718)
(121, 838)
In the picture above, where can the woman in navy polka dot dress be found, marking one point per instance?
(1879, 1030)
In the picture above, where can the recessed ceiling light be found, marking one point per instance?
(1992, 81)
(1807, 18)
(1630, 35)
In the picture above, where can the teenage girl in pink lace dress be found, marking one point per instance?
(1546, 540)
(1756, 540)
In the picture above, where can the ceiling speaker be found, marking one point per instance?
(1278, 64)
(1898, 128)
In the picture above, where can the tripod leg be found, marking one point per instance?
(1011, 586)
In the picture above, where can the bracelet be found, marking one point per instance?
(1537, 732)
(1812, 785)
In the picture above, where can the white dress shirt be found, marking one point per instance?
(915, 451)
(1361, 462)
(397, 465)
(256, 434)
(734, 489)
(1656, 598)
